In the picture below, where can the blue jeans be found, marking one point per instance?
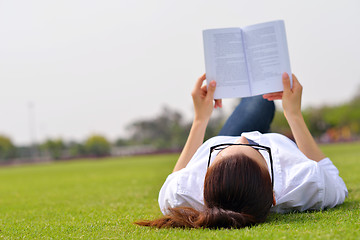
(252, 114)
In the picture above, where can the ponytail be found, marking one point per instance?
(185, 217)
(222, 218)
(177, 217)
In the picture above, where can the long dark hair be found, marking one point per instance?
(237, 193)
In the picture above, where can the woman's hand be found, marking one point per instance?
(203, 97)
(203, 104)
(291, 101)
(291, 97)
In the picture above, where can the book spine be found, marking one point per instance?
(246, 61)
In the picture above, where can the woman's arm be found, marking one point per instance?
(203, 107)
(291, 101)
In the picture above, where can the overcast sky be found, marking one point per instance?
(70, 68)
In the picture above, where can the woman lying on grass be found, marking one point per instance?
(235, 179)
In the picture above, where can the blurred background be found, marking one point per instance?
(98, 78)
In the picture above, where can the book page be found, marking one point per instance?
(225, 62)
(267, 55)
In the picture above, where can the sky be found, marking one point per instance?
(72, 68)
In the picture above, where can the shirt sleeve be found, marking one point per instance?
(335, 190)
(180, 189)
(167, 195)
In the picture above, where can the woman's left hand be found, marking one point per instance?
(203, 97)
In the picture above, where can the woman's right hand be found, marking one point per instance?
(291, 101)
(291, 97)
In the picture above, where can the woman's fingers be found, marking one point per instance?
(286, 82)
(211, 90)
(279, 95)
(273, 96)
(204, 89)
(205, 92)
(198, 88)
(218, 103)
(200, 81)
(296, 84)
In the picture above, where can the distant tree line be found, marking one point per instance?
(94, 146)
(55, 149)
(166, 131)
(169, 130)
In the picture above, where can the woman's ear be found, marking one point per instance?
(274, 201)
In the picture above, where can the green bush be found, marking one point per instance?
(7, 148)
(97, 145)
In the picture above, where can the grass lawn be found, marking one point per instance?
(99, 199)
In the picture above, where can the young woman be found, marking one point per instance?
(235, 179)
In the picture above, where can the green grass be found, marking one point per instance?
(99, 199)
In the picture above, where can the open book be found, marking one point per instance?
(246, 61)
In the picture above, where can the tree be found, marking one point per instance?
(7, 148)
(54, 147)
(121, 142)
(168, 130)
(97, 145)
(76, 149)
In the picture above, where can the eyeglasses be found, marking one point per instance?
(254, 146)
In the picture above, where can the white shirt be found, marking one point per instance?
(299, 182)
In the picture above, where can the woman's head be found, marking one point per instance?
(239, 183)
